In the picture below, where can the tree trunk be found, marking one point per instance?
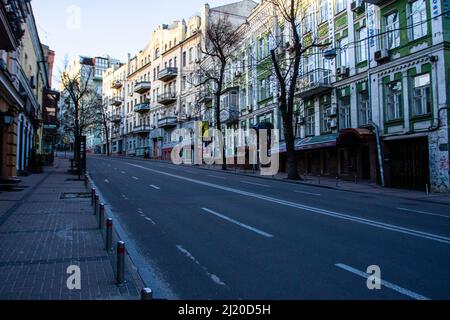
(218, 106)
(292, 160)
(108, 150)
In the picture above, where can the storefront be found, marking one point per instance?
(349, 155)
(407, 162)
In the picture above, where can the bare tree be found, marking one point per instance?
(287, 68)
(221, 39)
(105, 119)
(83, 106)
(75, 85)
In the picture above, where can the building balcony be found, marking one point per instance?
(229, 116)
(167, 98)
(142, 87)
(167, 122)
(12, 15)
(377, 2)
(205, 97)
(314, 82)
(116, 101)
(116, 118)
(142, 129)
(116, 85)
(142, 107)
(167, 74)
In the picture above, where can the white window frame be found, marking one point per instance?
(391, 29)
(394, 101)
(421, 95)
(417, 19)
(362, 44)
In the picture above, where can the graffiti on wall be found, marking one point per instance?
(439, 165)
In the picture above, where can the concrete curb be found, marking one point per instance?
(137, 260)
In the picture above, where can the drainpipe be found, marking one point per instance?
(380, 155)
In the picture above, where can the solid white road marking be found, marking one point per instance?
(262, 233)
(423, 212)
(124, 197)
(106, 181)
(148, 219)
(376, 224)
(308, 193)
(155, 187)
(213, 277)
(123, 172)
(386, 284)
(255, 184)
(217, 177)
(136, 178)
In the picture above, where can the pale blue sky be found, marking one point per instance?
(113, 27)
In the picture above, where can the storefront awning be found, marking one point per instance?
(310, 143)
(317, 142)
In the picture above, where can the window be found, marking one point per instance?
(365, 114)
(307, 20)
(343, 52)
(323, 11)
(262, 90)
(282, 31)
(310, 121)
(261, 48)
(341, 5)
(191, 55)
(344, 113)
(394, 101)
(326, 110)
(183, 84)
(361, 47)
(184, 59)
(421, 95)
(417, 19)
(269, 87)
(392, 32)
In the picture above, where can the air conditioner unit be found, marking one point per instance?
(358, 6)
(342, 72)
(332, 112)
(332, 124)
(381, 55)
(249, 108)
(238, 74)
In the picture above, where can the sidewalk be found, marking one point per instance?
(42, 234)
(323, 182)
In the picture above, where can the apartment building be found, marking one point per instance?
(371, 102)
(159, 94)
(24, 74)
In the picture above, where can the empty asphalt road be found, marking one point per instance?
(214, 235)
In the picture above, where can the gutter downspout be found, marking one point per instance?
(380, 153)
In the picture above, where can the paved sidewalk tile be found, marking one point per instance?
(42, 234)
